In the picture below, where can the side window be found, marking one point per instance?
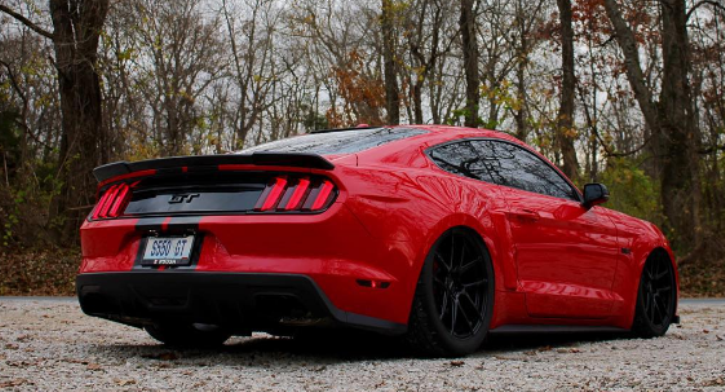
(461, 158)
(502, 164)
(513, 166)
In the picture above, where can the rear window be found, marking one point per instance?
(338, 142)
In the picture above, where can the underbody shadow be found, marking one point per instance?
(335, 346)
(503, 342)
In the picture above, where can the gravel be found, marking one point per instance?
(50, 345)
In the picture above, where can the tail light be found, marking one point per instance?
(113, 202)
(296, 194)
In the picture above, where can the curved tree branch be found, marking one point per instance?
(27, 22)
(717, 4)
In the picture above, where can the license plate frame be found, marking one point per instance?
(168, 250)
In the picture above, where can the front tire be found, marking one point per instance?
(187, 335)
(453, 303)
(656, 297)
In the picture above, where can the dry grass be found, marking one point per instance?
(31, 272)
(703, 279)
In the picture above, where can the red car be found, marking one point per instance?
(441, 234)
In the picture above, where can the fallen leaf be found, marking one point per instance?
(457, 363)
(23, 338)
(94, 367)
(123, 383)
(20, 363)
(14, 383)
(574, 350)
(712, 383)
(706, 331)
(11, 346)
(73, 360)
(165, 356)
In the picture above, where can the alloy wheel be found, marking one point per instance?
(658, 291)
(460, 284)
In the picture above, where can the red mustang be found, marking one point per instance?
(441, 234)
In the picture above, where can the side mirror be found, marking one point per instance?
(595, 194)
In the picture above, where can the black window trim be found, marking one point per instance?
(525, 148)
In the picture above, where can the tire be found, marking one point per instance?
(656, 297)
(187, 335)
(452, 279)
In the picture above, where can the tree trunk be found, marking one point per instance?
(565, 123)
(680, 183)
(77, 27)
(392, 94)
(670, 122)
(470, 62)
(418, 102)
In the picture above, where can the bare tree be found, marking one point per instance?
(77, 26)
(670, 120)
(392, 93)
(565, 125)
(470, 61)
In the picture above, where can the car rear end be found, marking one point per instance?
(255, 241)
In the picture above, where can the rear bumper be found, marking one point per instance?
(237, 301)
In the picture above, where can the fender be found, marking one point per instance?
(640, 239)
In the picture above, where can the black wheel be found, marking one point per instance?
(453, 302)
(656, 298)
(187, 335)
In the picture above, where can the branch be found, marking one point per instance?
(610, 39)
(14, 82)
(692, 256)
(602, 142)
(713, 3)
(25, 21)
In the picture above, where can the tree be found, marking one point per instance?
(670, 119)
(428, 43)
(470, 62)
(565, 133)
(77, 26)
(392, 93)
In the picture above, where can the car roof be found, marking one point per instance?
(437, 134)
(455, 132)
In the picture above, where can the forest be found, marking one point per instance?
(628, 93)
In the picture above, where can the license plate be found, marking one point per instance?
(168, 251)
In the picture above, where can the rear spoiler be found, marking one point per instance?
(313, 161)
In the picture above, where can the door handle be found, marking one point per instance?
(527, 215)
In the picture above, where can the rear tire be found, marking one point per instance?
(453, 302)
(656, 297)
(187, 335)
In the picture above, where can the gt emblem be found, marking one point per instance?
(183, 197)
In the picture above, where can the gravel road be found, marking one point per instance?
(50, 345)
